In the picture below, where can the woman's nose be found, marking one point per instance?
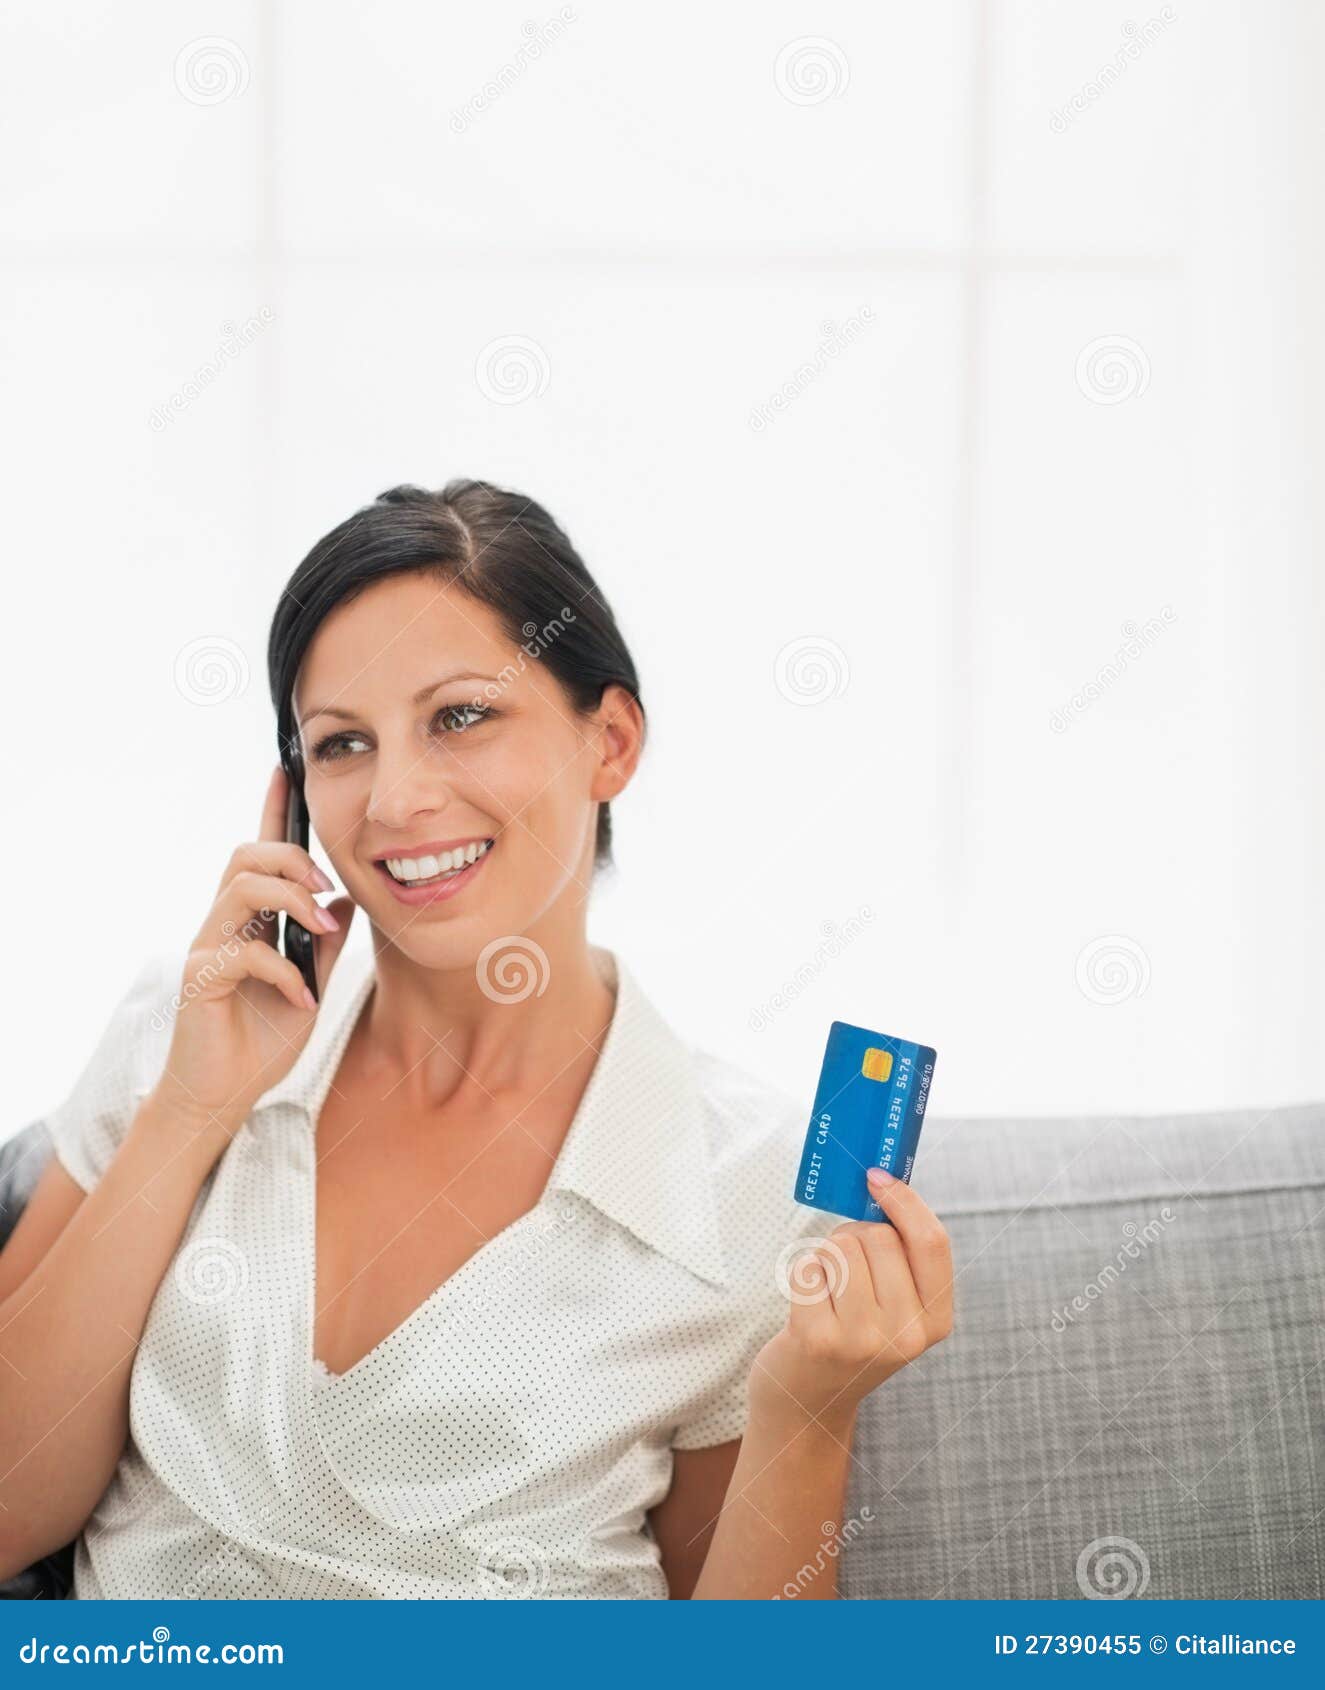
(406, 785)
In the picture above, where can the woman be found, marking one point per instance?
(461, 1278)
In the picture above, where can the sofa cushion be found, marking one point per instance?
(22, 1159)
(1131, 1401)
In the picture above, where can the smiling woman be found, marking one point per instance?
(466, 1277)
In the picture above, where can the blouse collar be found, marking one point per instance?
(638, 1147)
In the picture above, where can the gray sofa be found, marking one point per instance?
(1133, 1401)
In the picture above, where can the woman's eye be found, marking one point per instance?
(455, 718)
(335, 745)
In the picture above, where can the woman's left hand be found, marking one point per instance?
(864, 1301)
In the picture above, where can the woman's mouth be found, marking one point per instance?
(430, 877)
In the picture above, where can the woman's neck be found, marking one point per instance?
(509, 1027)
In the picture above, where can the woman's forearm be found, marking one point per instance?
(777, 1533)
(70, 1331)
(865, 1301)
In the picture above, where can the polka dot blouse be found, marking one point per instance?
(508, 1437)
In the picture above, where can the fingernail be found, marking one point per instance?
(880, 1176)
(320, 880)
(309, 999)
(326, 921)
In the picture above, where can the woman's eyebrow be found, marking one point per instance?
(418, 698)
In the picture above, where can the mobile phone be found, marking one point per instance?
(296, 940)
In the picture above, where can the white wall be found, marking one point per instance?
(1078, 392)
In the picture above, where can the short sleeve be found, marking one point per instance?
(723, 1414)
(88, 1127)
(762, 1313)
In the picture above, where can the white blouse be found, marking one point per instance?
(506, 1438)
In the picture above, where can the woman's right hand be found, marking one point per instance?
(244, 1013)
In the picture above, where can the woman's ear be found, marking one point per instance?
(620, 740)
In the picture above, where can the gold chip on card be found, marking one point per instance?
(878, 1064)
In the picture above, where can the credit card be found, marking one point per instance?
(868, 1112)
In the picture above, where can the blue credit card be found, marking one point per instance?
(868, 1112)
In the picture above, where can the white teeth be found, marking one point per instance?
(431, 868)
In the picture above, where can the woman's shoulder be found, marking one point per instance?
(756, 1132)
(747, 1115)
(89, 1123)
(144, 1015)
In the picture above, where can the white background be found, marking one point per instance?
(1087, 399)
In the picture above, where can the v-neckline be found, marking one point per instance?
(416, 1314)
(312, 1362)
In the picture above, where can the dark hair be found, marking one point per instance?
(500, 547)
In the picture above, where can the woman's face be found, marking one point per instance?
(426, 734)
